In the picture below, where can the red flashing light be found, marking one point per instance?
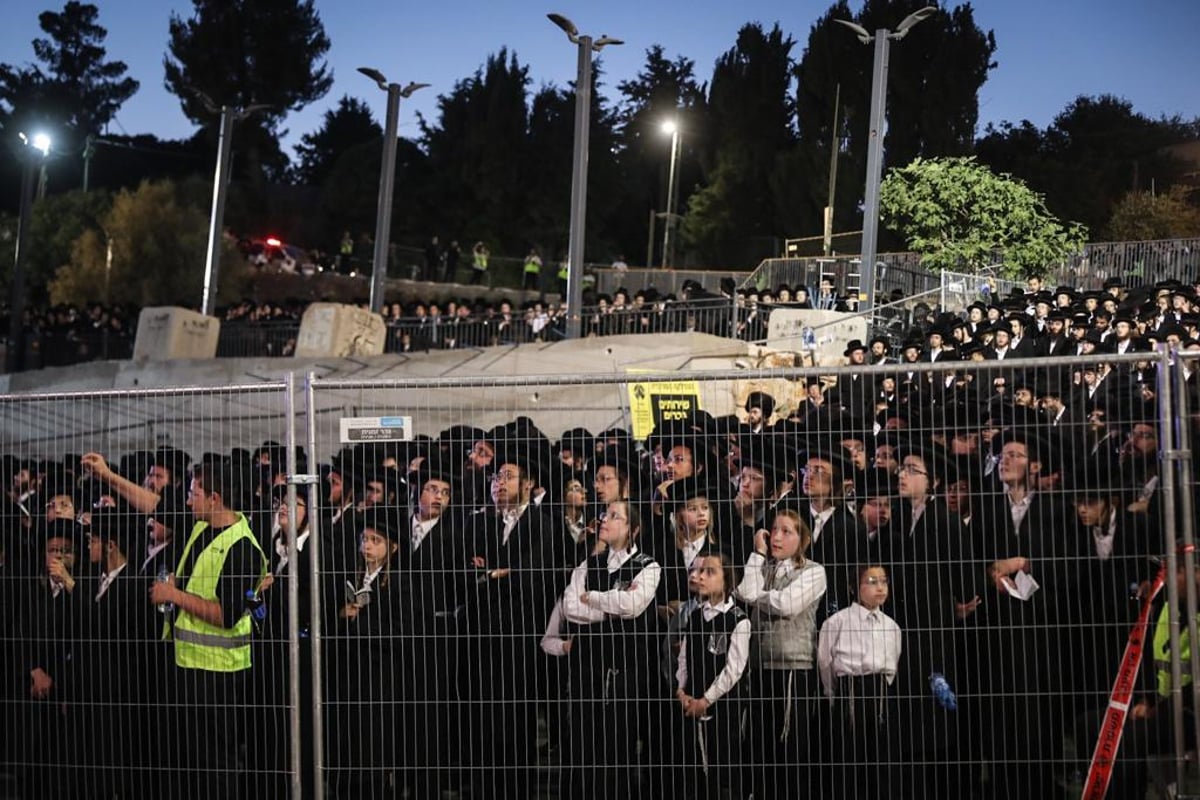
(273, 242)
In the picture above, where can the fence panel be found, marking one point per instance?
(935, 569)
(99, 507)
(1009, 509)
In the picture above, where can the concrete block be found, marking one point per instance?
(166, 333)
(331, 330)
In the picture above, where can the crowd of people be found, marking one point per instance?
(910, 582)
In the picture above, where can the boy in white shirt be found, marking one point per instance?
(858, 654)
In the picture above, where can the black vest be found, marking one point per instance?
(707, 646)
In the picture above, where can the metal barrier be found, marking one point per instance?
(939, 567)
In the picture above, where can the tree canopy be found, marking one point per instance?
(74, 87)
(958, 214)
(343, 128)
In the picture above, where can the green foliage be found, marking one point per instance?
(350, 124)
(749, 116)
(75, 90)
(1144, 216)
(159, 242)
(1090, 156)
(960, 215)
(56, 222)
(934, 77)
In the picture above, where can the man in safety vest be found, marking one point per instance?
(210, 600)
(533, 267)
(479, 262)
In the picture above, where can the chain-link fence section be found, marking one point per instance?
(912, 580)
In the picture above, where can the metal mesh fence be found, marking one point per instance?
(913, 580)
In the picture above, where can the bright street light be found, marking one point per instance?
(583, 107)
(14, 355)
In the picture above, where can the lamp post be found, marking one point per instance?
(583, 110)
(387, 177)
(212, 262)
(668, 254)
(16, 306)
(883, 39)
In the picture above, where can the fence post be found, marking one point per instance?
(1170, 542)
(1182, 456)
(314, 605)
(293, 591)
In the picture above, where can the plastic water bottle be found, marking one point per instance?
(942, 692)
(163, 576)
(809, 338)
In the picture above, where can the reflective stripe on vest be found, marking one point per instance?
(533, 266)
(481, 261)
(202, 645)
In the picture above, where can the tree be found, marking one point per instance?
(343, 128)
(240, 53)
(1094, 152)
(1144, 216)
(663, 89)
(958, 214)
(934, 78)
(750, 114)
(75, 88)
(159, 235)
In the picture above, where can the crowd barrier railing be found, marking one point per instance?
(952, 559)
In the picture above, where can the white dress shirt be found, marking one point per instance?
(735, 657)
(106, 581)
(857, 641)
(792, 598)
(626, 603)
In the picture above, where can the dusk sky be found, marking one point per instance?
(1049, 51)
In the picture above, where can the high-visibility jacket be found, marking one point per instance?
(564, 271)
(1162, 652)
(533, 265)
(200, 644)
(481, 260)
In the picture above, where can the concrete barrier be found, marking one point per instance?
(166, 333)
(340, 331)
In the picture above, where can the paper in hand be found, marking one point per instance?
(1022, 586)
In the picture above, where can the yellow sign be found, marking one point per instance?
(652, 403)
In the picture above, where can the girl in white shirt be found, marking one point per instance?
(714, 639)
(858, 655)
(608, 612)
(782, 589)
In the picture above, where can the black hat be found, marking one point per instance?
(578, 440)
(1039, 448)
(436, 467)
(934, 459)
(854, 344)
(880, 339)
(874, 482)
(679, 492)
(763, 401)
(172, 459)
(1096, 478)
(384, 521)
(1114, 283)
(118, 524)
(533, 455)
(767, 454)
(821, 447)
(619, 456)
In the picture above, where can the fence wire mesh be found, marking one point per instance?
(907, 580)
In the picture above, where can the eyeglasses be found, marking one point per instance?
(911, 469)
(506, 475)
(876, 581)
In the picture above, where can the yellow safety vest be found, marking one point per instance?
(532, 266)
(481, 260)
(564, 271)
(1162, 652)
(199, 644)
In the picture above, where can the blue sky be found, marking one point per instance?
(1049, 51)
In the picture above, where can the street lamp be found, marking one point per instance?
(16, 306)
(883, 39)
(583, 109)
(668, 255)
(387, 176)
(212, 263)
